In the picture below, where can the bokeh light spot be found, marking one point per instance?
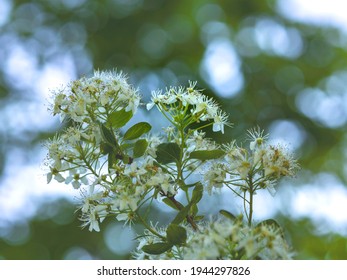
(77, 253)
(221, 68)
(119, 239)
(153, 41)
(326, 109)
(289, 132)
(5, 8)
(275, 39)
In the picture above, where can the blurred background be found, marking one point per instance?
(280, 64)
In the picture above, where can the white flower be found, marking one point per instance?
(191, 98)
(196, 141)
(278, 162)
(93, 222)
(220, 119)
(49, 177)
(96, 214)
(153, 143)
(215, 177)
(157, 96)
(54, 174)
(76, 178)
(131, 99)
(161, 99)
(257, 138)
(58, 177)
(59, 103)
(163, 180)
(128, 217)
(271, 189)
(122, 217)
(149, 106)
(72, 135)
(126, 201)
(237, 159)
(134, 172)
(86, 98)
(201, 108)
(90, 198)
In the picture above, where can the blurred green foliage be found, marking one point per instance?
(289, 72)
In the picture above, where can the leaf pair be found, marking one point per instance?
(110, 145)
(134, 132)
(120, 118)
(170, 152)
(175, 235)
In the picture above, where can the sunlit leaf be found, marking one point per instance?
(176, 235)
(126, 146)
(111, 159)
(157, 248)
(170, 203)
(118, 119)
(137, 130)
(227, 214)
(206, 154)
(140, 148)
(108, 136)
(194, 210)
(105, 148)
(181, 215)
(197, 193)
(199, 217)
(167, 153)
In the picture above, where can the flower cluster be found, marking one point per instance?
(195, 107)
(258, 167)
(89, 99)
(88, 153)
(223, 239)
(120, 170)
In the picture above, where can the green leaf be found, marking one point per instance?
(137, 130)
(140, 148)
(126, 146)
(182, 214)
(197, 193)
(157, 248)
(105, 148)
(176, 235)
(168, 152)
(194, 210)
(271, 223)
(227, 214)
(199, 218)
(169, 202)
(126, 159)
(206, 154)
(109, 146)
(118, 119)
(156, 192)
(111, 159)
(107, 135)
